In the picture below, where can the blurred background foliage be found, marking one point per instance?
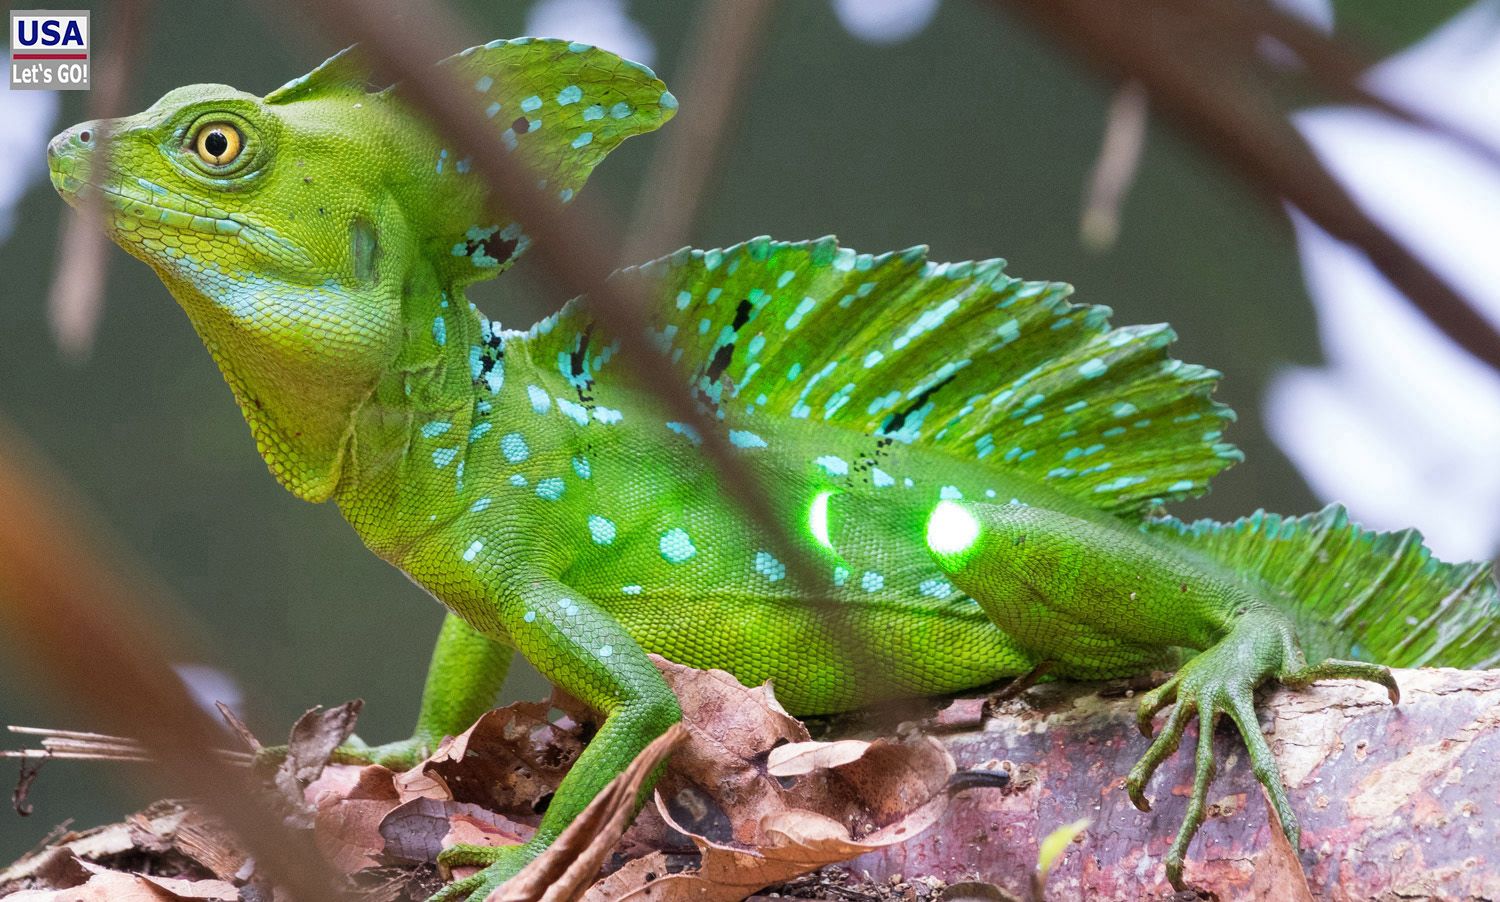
(975, 136)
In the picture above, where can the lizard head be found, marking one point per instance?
(312, 234)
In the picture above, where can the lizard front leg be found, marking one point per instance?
(463, 679)
(581, 649)
(1102, 600)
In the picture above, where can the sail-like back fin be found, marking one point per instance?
(1376, 596)
(954, 356)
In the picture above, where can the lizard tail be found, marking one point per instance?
(1375, 596)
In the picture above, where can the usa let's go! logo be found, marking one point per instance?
(49, 50)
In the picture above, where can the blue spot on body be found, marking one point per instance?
(473, 550)
(531, 104)
(584, 140)
(602, 529)
(575, 412)
(935, 588)
(676, 546)
(439, 331)
(435, 428)
(442, 457)
(513, 446)
(740, 438)
(836, 466)
(570, 94)
(767, 565)
(686, 431)
(550, 488)
(484, 83)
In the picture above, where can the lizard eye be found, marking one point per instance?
(218, 143)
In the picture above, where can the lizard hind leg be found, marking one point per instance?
(1100, 598)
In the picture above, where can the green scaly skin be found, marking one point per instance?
(549, 505)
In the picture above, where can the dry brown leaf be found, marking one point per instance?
(205, 840)
(113, 886)
(508, 761)
(349, 803)
(419, 829)
(797, 842)
(755, 822)
(718, 784)
(314, 737)
(1279, 876)
(961, 714)
(800, 758)
(569, 865)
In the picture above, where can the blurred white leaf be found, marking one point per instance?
(1402, 426)
(29, 118)
(210, 685)
(603, 23)
(885, 21)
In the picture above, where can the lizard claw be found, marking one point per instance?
(1221, 682)
(498, 863)
(1152, 702)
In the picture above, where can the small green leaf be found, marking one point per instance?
(1052, 847)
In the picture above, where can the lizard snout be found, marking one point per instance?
(67, 156)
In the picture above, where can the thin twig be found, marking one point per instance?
(96, 747)
(75, 300)
(1336, 66)
(1244, 129)
(1115, 169)
(99, 631)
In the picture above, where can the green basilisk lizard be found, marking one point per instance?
(976, 463)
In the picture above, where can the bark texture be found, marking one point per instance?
(1396, 802)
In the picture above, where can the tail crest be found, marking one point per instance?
(1376, 596)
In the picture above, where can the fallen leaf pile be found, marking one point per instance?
(747, 801)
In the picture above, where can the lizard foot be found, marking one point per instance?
(1221, 681)
(498, 863)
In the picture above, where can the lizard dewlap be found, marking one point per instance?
(976, 463)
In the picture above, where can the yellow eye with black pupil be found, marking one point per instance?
(217, 143)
